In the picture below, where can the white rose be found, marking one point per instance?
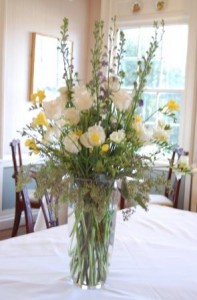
(82, 98)
(121, 100)
(54, 108)
(71, 143)
(117, 136)
(72, 116)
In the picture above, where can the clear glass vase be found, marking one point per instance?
(91, 223)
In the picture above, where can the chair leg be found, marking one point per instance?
(17, 217)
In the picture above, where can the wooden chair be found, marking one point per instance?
(171, 194)
(49, 206)
(24, 200)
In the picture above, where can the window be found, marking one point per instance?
(167, 78)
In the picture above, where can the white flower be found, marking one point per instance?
(117, 136)
(142, 132)
(82, 98)
(95, 136)
(161, 132)
(51, 135)
(63, 93)
(121, 100)
(72, 116)
(71, 143)
(54, 108)
(113, 83)
(161, 135)
(84, 140)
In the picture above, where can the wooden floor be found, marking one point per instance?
(6, 234)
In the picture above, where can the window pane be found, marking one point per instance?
(167, 77)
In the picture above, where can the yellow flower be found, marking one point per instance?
(31, 144)
(137, 119)
(33, 98)
(40, 120)
(78, 132)
(40, 95)
(172, 105)
(105, 147)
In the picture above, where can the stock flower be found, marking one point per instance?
(40, 120)
(31, 144)
(117, 136)
(71, 143)
(121, 100)
(53, 108)
(172, 105)
(72, 115)
(82, 98)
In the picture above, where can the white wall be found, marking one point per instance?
(22, 17)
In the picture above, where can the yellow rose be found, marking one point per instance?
(172, 105)
(40, 120)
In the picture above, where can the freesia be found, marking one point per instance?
(40, 120)
(31, 144)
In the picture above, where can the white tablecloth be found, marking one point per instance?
(154, 257)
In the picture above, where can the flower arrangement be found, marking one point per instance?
(96, 128)
(91, 135)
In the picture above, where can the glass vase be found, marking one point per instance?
(91, 223)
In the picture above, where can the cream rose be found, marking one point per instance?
(121, 100)
(71, 143)
(54, 108)
(72, 116)
(82, 98)
(117, 136)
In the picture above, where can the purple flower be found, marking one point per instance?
(141, 103)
